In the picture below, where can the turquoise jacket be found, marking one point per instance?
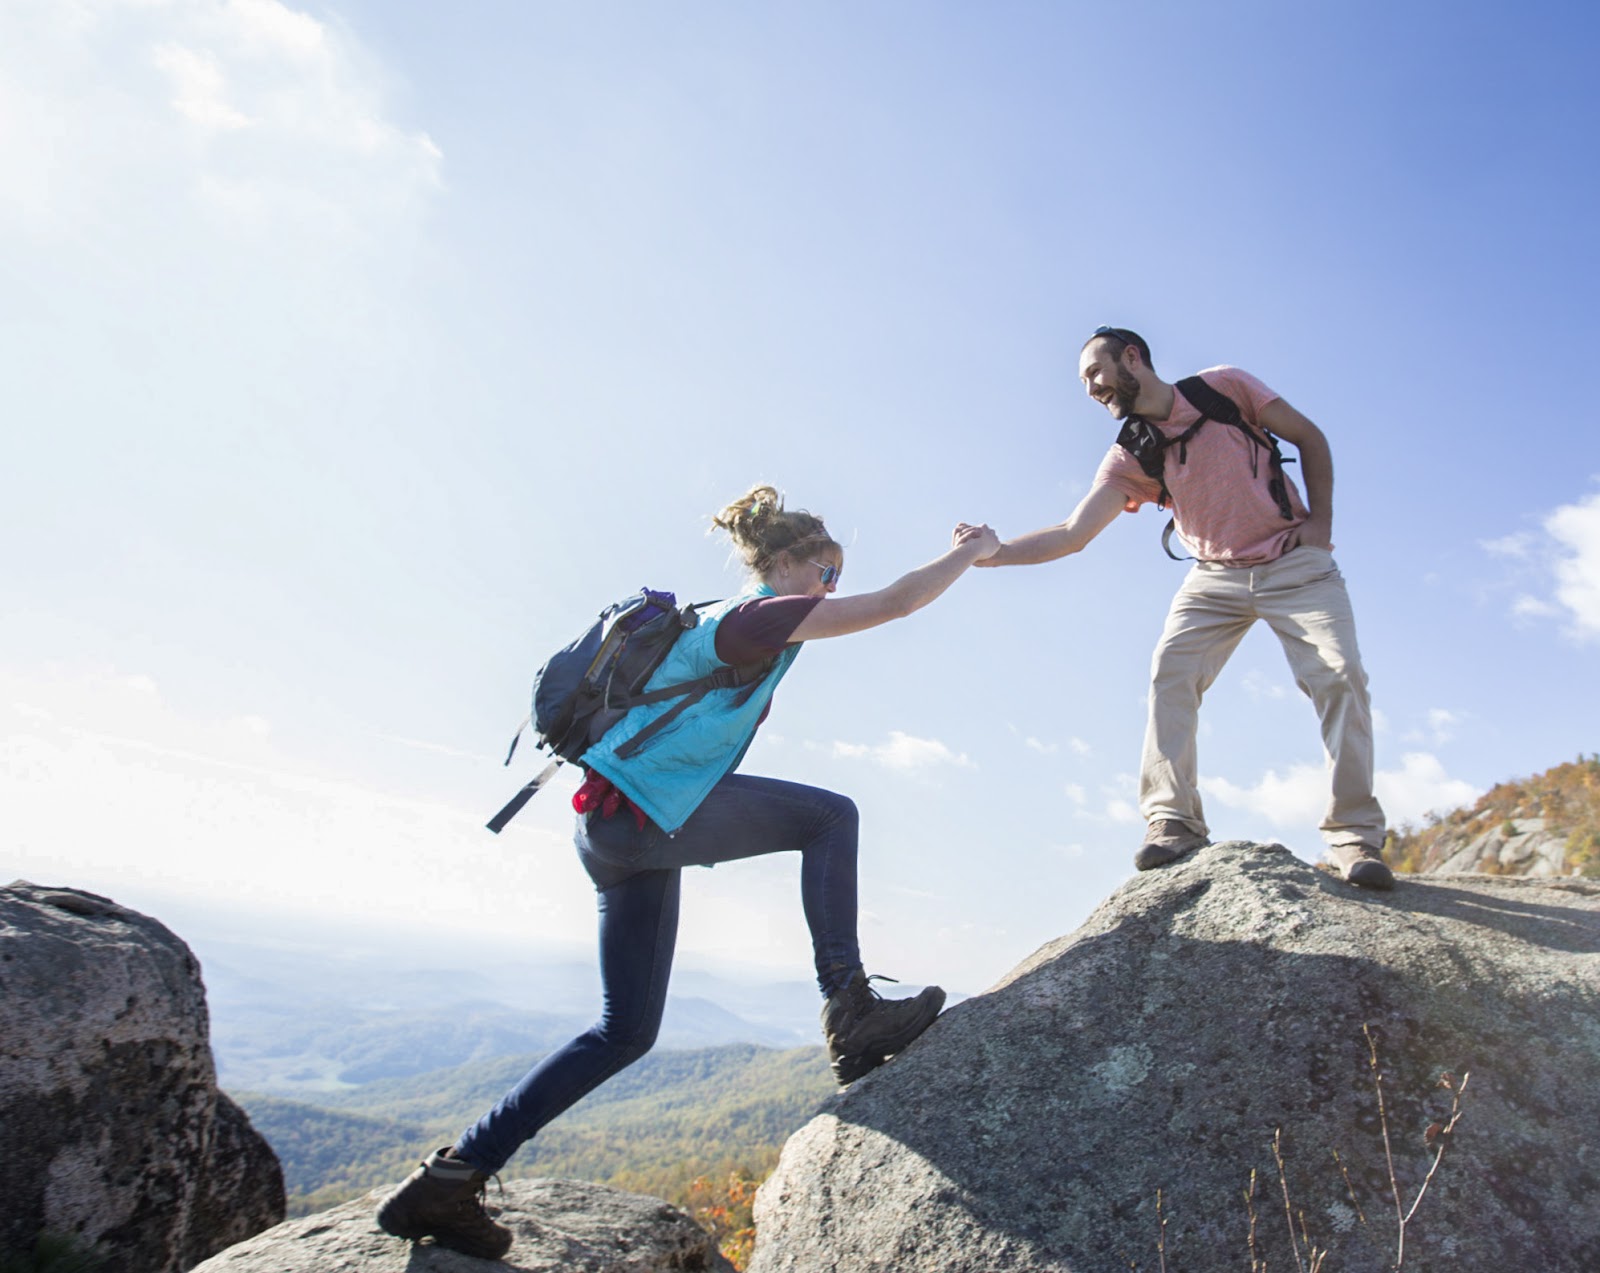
(673, 772)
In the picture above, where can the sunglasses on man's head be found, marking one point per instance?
(830, 573)
(1116, 333)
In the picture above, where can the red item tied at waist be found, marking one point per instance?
(598, 792)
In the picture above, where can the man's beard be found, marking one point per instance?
(1124, 395)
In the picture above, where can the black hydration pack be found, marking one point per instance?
(1148, 445)
(589, 685)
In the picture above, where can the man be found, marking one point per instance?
(1261, 553)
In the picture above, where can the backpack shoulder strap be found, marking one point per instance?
(1210, 401)
(514, 805)
(689, 693)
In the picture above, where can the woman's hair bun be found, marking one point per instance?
(761, 527)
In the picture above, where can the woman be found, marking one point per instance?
(645, 814)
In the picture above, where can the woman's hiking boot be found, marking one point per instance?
(443, 1200)
(863, 1029)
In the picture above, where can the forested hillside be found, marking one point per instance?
(655, 1128)
(286, 1042)
(1565, 798)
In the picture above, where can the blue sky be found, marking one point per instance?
(356, 354)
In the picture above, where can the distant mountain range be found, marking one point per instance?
(355, 1060)
(311, 1019)
(674, 1116)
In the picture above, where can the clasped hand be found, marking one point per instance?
(983, 536)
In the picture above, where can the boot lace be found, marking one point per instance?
(479, 1200)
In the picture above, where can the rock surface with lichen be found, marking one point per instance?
(558, 1226)
(111, 1122)
(1108, 1104)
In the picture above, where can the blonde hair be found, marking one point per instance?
(762, 529)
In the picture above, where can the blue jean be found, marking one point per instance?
(637, 877)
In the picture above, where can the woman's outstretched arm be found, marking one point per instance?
(840, 616)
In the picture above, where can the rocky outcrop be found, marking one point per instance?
(1544, 826)
(1107, 1105)
(1507, 846)
(111, 1122)
(561, 1226)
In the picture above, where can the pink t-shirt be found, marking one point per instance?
(1219, 493)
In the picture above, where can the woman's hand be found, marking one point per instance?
(840, 616)
(986, 541)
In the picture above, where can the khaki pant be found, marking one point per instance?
(1302, 597)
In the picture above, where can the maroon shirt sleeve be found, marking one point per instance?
(760, 627)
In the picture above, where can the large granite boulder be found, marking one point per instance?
(1105, 1106)
(1509, 846)
(561, 1226)
(111, 1123)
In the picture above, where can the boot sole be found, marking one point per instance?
(396, 1227)
(847, 1069)
(1370, 874)
(411, 1231)
(1151, 856)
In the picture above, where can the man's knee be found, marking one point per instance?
(1334, 679)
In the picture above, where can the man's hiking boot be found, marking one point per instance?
(1165, 841)
(443, 1200)
(863, 1030)
(1362, 864)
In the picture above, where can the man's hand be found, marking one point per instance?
(988, 543)
(1316, 469)
(1314, 532)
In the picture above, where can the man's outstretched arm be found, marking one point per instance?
(1098, 510)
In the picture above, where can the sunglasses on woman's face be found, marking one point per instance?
(830, 574)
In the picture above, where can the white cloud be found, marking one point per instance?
(1519, 544)
(904, 753)
(1119, 797)
(1440, 727)
(1076, 745)
(1077, 794)
(268, 23)
(249, 114)
(1567, 559)
(1526, 607)
(1576, 527)
(1258, 685)
(1298, 796)
(437, 749)
(1419, 786)
(1122, 811)
(1443, 722)
(107, 787)
(199, 89)
(1294, 797)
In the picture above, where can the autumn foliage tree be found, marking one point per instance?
(723, 1206)
(1567, 797)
